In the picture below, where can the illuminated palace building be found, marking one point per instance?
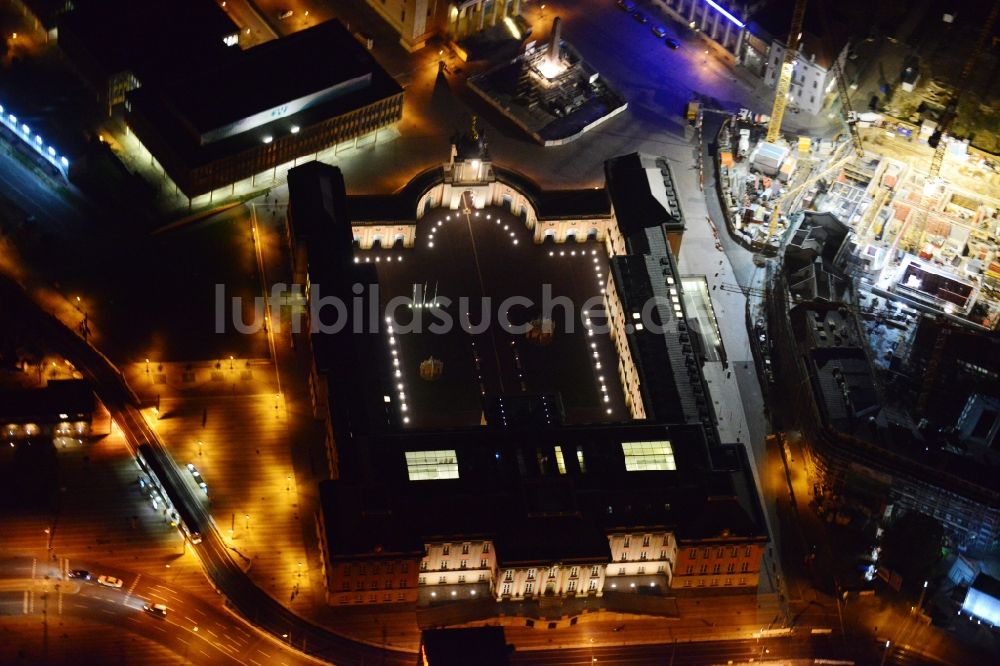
(569, 459)
(416, 21)
(212, 115)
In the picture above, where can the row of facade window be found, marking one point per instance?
(446, 548)
(574, 572)
(643, 556)
(376, 569)
(462, 564)
(443, 580)
(373, 598)
(529, 587)
(734, 551)
(641, 571)
(645, 541)
(360, 584)
(730, 568)
(714, 582)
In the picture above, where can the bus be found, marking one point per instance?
(155, 466)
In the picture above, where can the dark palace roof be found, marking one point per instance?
(482, 646)
(73, 397)
(128, 34)
(264, 77)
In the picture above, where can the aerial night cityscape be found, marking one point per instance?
(499, 332)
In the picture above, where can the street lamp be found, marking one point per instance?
(247, 516)
(920, 604)
(199, 448)
(230, 361)
(885, 654)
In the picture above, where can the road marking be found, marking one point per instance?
(212, 632)
(198, 610)
(34, 566)
(264, 653)
(60, 602)
(81, 605)
(183, 641)
(254, 661)
(204, 653)
(130, 588)
(105, 610)
(192, 620)
(27, 593)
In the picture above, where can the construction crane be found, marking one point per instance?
(874, 207)
(776, 212)
(846, 108)
(785, 75)
(951, 111)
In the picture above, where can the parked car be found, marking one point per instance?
(82, 574)
(640, 17)
(110, 581)
(626, 5)
(659, 31)
(285, 14)
(159, 610)
(672, 43)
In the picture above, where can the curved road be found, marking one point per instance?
(224, 573)
(193, 625)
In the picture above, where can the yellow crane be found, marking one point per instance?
(950, 111)
(791, 192)
(785, 75)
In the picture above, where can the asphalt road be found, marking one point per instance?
(225, 574)
(194, 627)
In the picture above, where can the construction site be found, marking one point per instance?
(875, 324)
(920, 206)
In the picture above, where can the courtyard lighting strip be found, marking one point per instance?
(595, 356)
(378, 259)
(479, 367)
(590, 334)
(23, 132)
(519, 366)
(430, 236)
(397, 373)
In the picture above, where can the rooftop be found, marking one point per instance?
(493, 432)
(774, 19)
(987, 585)
(124, 35)
(59, 399)
(452, 647)
(222, 108)
(475, 264)
(642, 191)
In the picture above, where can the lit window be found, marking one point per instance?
(560, 461)
(429, 465)
(644, 456)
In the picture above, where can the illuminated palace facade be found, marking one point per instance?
(492, 475)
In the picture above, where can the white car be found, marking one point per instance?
(285, 14)
(110, 581)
